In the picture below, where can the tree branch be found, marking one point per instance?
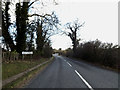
(32, 3)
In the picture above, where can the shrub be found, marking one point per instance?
(47, 51)
(97, 52)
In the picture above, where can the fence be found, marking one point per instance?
(7, 56)
(10, 56)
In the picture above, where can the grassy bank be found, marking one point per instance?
(96, 52)
(95, 64)
(20, 82)
(12, 68)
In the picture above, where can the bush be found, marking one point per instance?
(47, 51)
(97, 52)
(69, 52)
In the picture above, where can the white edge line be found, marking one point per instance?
(88, 85)
(69, 64)
(64, 60)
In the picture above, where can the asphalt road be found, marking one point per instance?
(67, 73)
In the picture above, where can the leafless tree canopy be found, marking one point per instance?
(73, 32)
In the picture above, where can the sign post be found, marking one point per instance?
(27, 53)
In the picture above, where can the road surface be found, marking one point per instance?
(67, 73)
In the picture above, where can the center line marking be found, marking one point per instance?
(69, 64)
(88, 85)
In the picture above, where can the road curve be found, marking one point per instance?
(67, 73)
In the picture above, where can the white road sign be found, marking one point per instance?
(27, 52)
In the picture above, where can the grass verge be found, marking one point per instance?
(12, 68)
(20, 82)
(96, 64)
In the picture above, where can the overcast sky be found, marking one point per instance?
(100, 17)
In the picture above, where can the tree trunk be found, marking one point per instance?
(40, 38)
(21, 17)
(5, 27)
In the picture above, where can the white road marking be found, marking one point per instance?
(88, 85)
(69, 64)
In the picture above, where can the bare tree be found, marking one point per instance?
(73, 33)
(21, 13)
(46, 28)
